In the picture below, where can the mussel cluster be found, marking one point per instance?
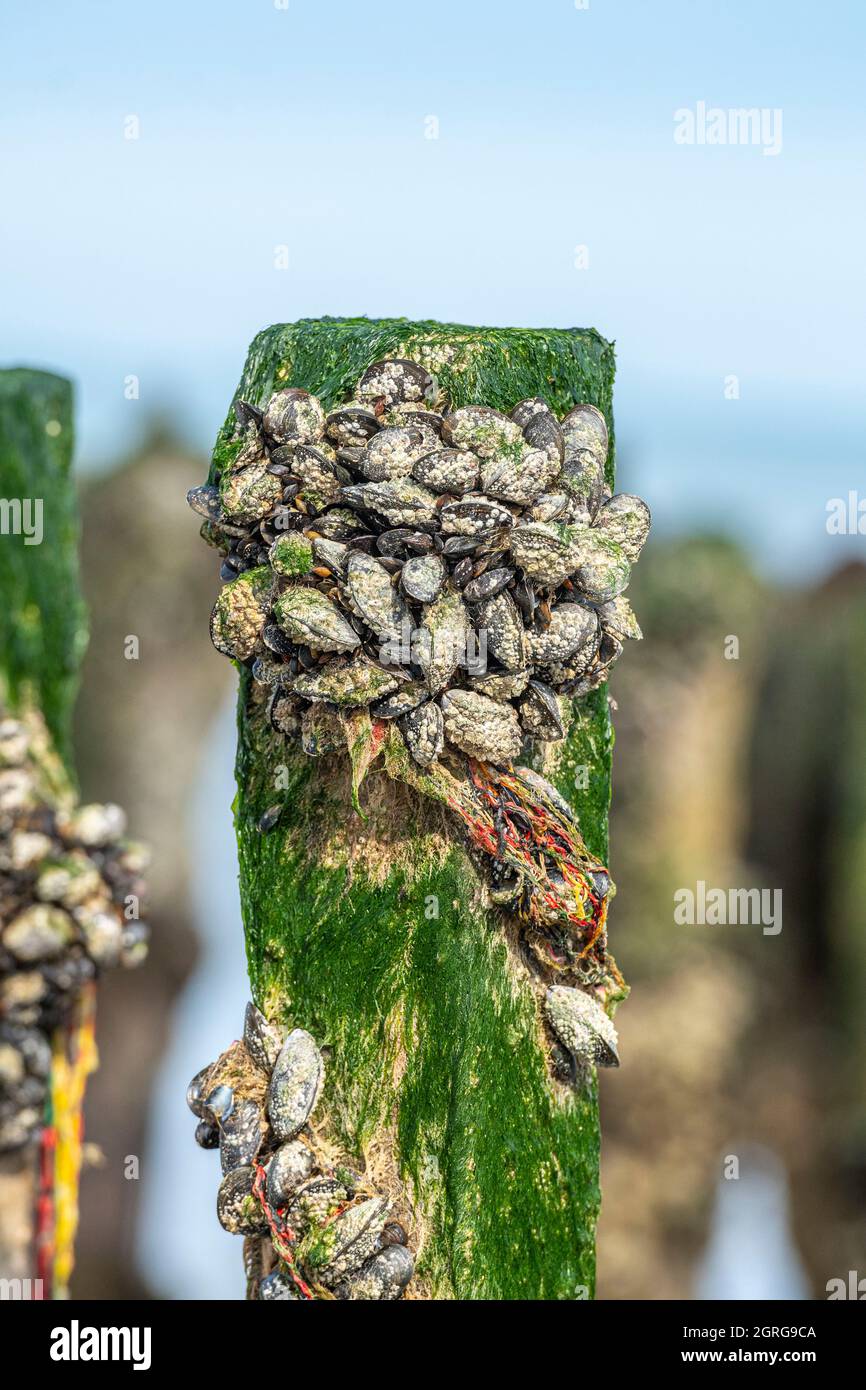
(313, 1227)
(458, 571)
(68, 882)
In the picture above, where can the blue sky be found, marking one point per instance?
(305, 127)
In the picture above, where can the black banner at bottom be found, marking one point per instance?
(63, 1339)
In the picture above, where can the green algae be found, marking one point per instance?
(292, 554)
(387, 957)
(490, 366)
(43, 624)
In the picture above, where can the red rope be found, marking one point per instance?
(548, 836)
(44, 1234)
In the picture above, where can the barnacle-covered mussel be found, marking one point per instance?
(70, 890)
(313, 1227)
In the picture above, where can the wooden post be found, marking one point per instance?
(372, 934)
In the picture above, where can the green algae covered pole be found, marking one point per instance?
(372, 932)
(42, 639)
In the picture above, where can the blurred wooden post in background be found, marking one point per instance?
(43, 634)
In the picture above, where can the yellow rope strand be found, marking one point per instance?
(74, 1058)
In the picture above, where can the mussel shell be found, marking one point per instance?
(625, 519)
(292, 416)
(315, 1202)
(442, 640)
(602, 570)
(571, 635)
(238, 1211)
(383, 1278)
(261, 1039)
(355, 1235)
(458, 547)
(407, 413)
(542, 431)
(481, 727)
(284, 713)
(270, 673)
(582, 1026)
(422, 578)
(207, 1136)
(401, 702)
(347, 684)
(289, 1168)
(401, 501)
(239, 615)
(248, 495)
(488, 584)
(424, 732)
(501, 685)
(524, 411)
(585, 428)
(447, 470)
(395, 380)
(373, 596)
(350, 426)
(340, 524)
(205, 501)
(393, 1234)
(498, 618)
(311, 619)
(195, 1093)
(393, 542)
(519, 481)
(485, 431)
(391, 453)
(311, 462)
(617, 617)
(33, 1046)
(601, 882)
(247, 414)
(241, 1136)
(540, 714)
(474, 516)
(420, 543)
(321, 731)
(550, 506)
(219, 1103)
(295, 1085)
